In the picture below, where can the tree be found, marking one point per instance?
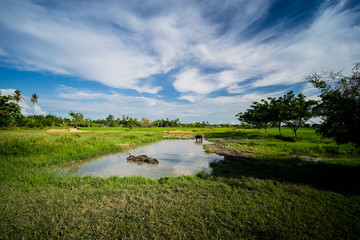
(279, 106)
(88, 122)
(145, 122)
(34, 100)
(9, 110)
(258, 115)
(298, 111)
(110, 121)
(294, 111)
(340, 104)
(18, 96)
(77, 117)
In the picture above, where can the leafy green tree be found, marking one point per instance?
(298, 110)
(87, 122)
(294, 111)
(259, 114)
(129, 122)
(9, 110)
(34, 100)
(110, 120)
(49, 120)
(77, 117)
(279, 106)
(249, 118)
(167, 123)
(340, 104)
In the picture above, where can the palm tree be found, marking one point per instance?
(34, 100)
(18, 96)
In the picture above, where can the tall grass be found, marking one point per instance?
(52, 148)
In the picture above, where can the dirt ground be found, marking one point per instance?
(223, 149)
(63, 130)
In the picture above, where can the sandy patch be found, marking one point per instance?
(64, 130)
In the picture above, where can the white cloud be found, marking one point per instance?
(118, 50)
(191, 97)
(124, 44)
(8, 91)
(104, 103)
(38, 110)
(311, 92)
(115, 45)
(96, 104)
(193, 81)
(330, 41)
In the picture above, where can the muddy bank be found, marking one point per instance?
(223, 149)
(235, 162)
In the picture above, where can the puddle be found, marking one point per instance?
(176, 158)
(310, 159)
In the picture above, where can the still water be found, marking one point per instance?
(176, 157)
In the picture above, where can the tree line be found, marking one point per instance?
(339, 107)
(10, 116)
(290, 110)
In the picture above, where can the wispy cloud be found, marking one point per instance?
(214, 108)
(329, 41)
(115, 47)
(229, 49)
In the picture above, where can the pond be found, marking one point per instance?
(176, 158)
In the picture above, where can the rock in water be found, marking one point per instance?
(131, 158)
(151, 160)
(143, 158)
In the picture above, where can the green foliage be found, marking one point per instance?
(167, 123)
(294, 111)
(77, 117)
(41, 121)
(259, 115)
(34, 100)
(18, 96)
(340, 104)
(298, 111)
(9, 110)
(110, 121)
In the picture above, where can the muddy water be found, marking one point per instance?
(176, 157)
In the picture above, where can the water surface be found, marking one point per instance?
(176, 158)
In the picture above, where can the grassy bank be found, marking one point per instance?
(264, 189)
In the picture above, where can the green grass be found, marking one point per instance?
(260, 191)
(285, 144)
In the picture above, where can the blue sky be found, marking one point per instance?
(193, 60)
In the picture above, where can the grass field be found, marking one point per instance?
(267, 187)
